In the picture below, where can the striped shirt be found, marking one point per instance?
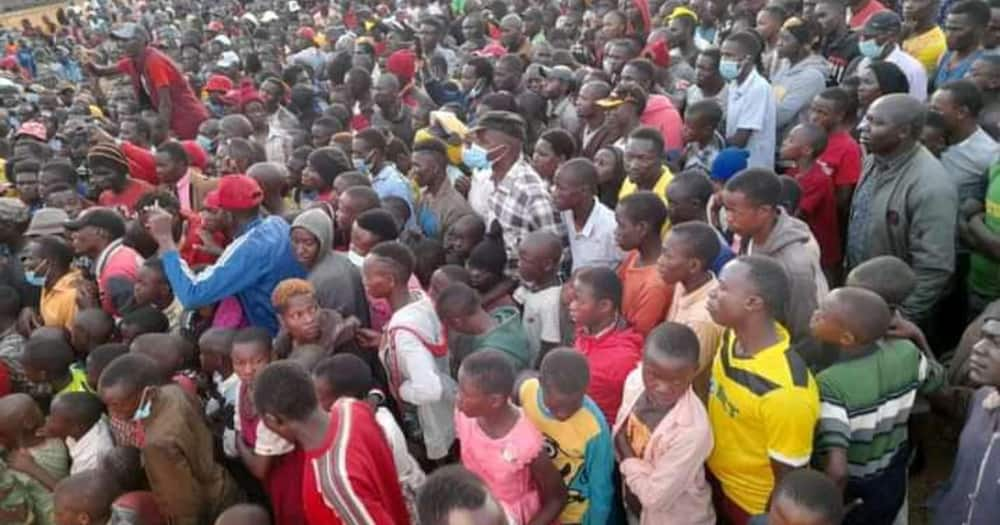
(865, 403)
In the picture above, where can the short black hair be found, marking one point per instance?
(253, 335)
(373, 137)
(125, 466)
(840, 98)
(489, 255)
(760, 185)
(84, 408)
(366, 196)
(977, 11)
(380, 222)
(563, 144)
(50, 355)
(771, 282)
(56, 249)
(175, 151)
(708, 108)
(397, 256)
(447, 489)
(491, 370)
(102, 355)
(131, 371)
(644, 66)
(147, 319)
(814, 491)
(651, 134)
(886, 275)
(749, 41)
(583, 171)
(284, 389)
(10, 301)
(701, 239)
(696, 184)
(455, 273)
(433, 146)
(674, 341)
(645, 206)
(457, 300)
(604, 283)
(346, 375)
(566, 370)
(964, 93)
(91, 492)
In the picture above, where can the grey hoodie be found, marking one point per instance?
(336, 280)
(791, 243)
(794, 88)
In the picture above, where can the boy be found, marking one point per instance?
(91, 327)
(804, 497)
(841, 159)
(153, 289)
(464, 235)
(764, 402)
(459, 308)
(36, 463)
(702, 140)
(99, 359)
(453, 495)
(213, 353)
(538, 266)
(487, 263)
(873, 386)
(413, 350)
(685, 264)
(645, 297)
(85, 498)
(591, 223)
(817, 205)
(611, 346)
(557, 404)
(78, 419)
(353, 202)
(49, 361)
(349, 475)
(143, 320)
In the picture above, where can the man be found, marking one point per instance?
(441, 205)
(109, 178)
(643, 169)
(985, 74)
(659, 112)
(880, 41)
(924, 38)
(751, 109)
(14, 221)
(512, 37)
(259, 257)
(98, 234)
(965, 27)
(708, 83)
(616, 54)
(157, 81)
(903, 206)
(591, 224)
(593, 133)
(474, 32)
(860, 12)
(680, 34)
(518, 201)
(623, 109)
(390, 112)
(430, 31)
(971, 150)
(174, 171)
(558, 90)
(368, 156)
(307, 51)
(273, 91)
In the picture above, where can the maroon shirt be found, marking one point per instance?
(154, 70)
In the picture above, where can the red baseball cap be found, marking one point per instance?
(235, 192)
(196, 155)
(218, 83)
(33, 129)
(216, 26)
(306, 32)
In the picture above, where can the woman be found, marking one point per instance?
(322, 166)
(554, 147)
(47, 262)
(879, 78)
(610, 165)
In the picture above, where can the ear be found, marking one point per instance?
(753, 303)
(846, 338)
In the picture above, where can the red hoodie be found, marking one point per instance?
(661, 114)
(611, 354)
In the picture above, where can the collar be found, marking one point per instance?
(739, 88)
(250, 225)
(890, 163)
(106, 254)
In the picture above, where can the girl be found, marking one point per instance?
(610, 165)
(501, 445)
(553, 149)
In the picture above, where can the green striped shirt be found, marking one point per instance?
(865, 403)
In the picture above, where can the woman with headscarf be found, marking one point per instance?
(879, 78)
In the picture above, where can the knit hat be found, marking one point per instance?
(108, 153)
(729, 162)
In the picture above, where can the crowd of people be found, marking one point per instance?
(502, 262)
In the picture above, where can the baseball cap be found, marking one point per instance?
(228, 59)
(235, 192)
(729, 162)
(306, 32)
(47, 221)
(882, 22)
(33, 129)
(218, 83)
(128, 31)
(505, 122)
(624, 93)
(104, 218)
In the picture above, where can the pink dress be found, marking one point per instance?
(504, 464)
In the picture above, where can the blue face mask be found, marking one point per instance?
(360, 164)
(729, 69)
(475, 157)
(144, 409)
(34, 279)
(206, 143)
(869, 48)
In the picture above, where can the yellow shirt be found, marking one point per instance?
(58, 304)
(660, 188)
(78, 382)
(927, 48)
(761, 408)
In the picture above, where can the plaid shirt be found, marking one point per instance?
(521, 204)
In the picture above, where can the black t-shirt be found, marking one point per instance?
(840, 52)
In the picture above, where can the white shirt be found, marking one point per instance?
(915, 73)
(268, 442)
(480, 188)
(751, 106)
(594, 244)
(411, 476)
(86, 452)
(541, 315)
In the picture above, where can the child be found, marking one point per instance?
(685, 263)
(804, 497)
(169, 352)
(702, 140)
(446, 276)
(39, 462)
(538, 266)
(663, 436)
(344, 448)
(462, 237)
(78, 419)
(611, 346)
(85, 497)
(557, 404)
(645, 297)
(460, 310)
(99, 358)
(353, 202)
(143, 320)
(893, 280)
(874, 385)
(764, 402)
(486, 264)
(48, 361)
(346, 375)
(153, 289)
(841, 159)
(214, 346)
(91, 327)
(454, 496)
(817, 206)
(501, 445)
(413, 350)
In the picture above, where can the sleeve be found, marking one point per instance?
(659, 483)
(797, 96)
(233, 272)
(932, 247)
(753, 115)
(599, 466)
(548, 319)
(422, 384)
(849, 171)
(789, 419)
(834, 427)
(158, 71)
(173, 484)
(650, 309)
(930, 374)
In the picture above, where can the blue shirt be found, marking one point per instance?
(389, 182)
(249, 268)
(944, 75)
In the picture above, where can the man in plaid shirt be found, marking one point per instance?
(519, 202)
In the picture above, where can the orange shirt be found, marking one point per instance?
(645, 297)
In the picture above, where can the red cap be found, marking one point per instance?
(33, 129)
(196, 155)
(658, 53)
(216, 26)
(235, 192)
(403, 64)
(218, 83)
(306, 32)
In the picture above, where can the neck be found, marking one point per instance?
(242, 222)
(743, 76)
(502, 165)
(923, 25)
(900, 150)
(756, 335)
(481, 322)
(798, 57)
(603, 324)
(275, 205)
(649, 250)
(96, 252)
(400, 297)
(312, 432)
(582, 212)
(964, 131)
(889, 48)
(697, 280)
(804, 164)
(595, 121)
(760, 236)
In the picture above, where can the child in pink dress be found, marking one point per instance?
(501, 446)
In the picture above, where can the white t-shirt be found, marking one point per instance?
(751, 106)
(541, 315)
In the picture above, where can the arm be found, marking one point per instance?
(259, 466)
(165, 104)
(551, 490)
(173, 484)
(102, 71)
(657, 484)
(422, 384)
(21, 460)
(836, 467)
(598, 467)
(790, 415)
(740, 138)
(986, 242)
(932, 247)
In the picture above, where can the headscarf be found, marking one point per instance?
(890, 78)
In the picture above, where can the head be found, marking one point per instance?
(688, 251)
(642, 156)
(958, 103)
(831, 16)
(108, 168)
(985, 71)
(497, 139)
(889, 277)
(640, 217)
(372, 227)
(244, 514)
(352, 203)
(701, 119)
(805, 497)
(617, 53)
(485, 382)
(55, 173)
(462, 237)
(624, 107)
(453, 495)
(934, 135)
(47, 360)
(538, 258)
(564, 376)
(151, 284)
(669, 363)
(804, 143)
(72, 414)
(880, 78)
(284, 397)
(85, 498)
(368, 151)
(91, 327)
(445, 276)
(920, 12)
(128, 383)
(966, 24)
(892, 123)
(738, 55)
(214, 347)
(769, 22)
(751, 200)
(829, 109)
(459, 306)
(554, 147)
(21, 419)
(143, 320)
(387, 269)
(322, 167)
(429, 162)
(298, 310)
(511, 31)
(796, 39)
(850, 318)
(752, 289)
(251, 352)
(587, 97)
(341, 375)
(597, 298)
(706, 68)
(574, 184)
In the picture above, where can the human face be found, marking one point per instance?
(167, 170)
(825, 324)
(321, 136)
(706, 70)
(632, 74)
(256, 114)
(134, 46)
(378, 280)
(666, 380)
(933, 138)
(878, 133)
(534, 264)
(46, 180)
(505, 78)
(458, 243)
(731, 50)
(985, 76)
(675, 262)
(868, 87)
(248, 359)
(306, 247)
(943, 103)
(428, 35)
(823, 113)
(482, 279)
(301, 318)
(628, 234)
(585, 310)
(86, 240)
(961, 32)
(471, 400)
(544, 160)
(566, 193)
(992, 37)
(615, 59)
(984, 363)
(828, 17)
(788, 45)
(795, 146)
(612, 26)
(586, 102)
(59, 423)
(607, 166)
(918, 10)
(642, 164)
(468, 78)
(362, 240)
(311, 179)
(696, 128)
(148, 286)
(767, 25)
(424, 169)
(121, 401)
(472, 29)
(27, 186)
(745, 217)
(562, 406)
(103, 178)
(729, 303)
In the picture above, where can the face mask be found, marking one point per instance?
(145, 407)
(206, 143)
(869, 48)
(729, 69)
(34, 278)
(360, 164)
(474, 156)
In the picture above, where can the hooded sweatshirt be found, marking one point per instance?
(336, 280)
(795, 86)
(661, 114)
(791, 243)
(612, 354)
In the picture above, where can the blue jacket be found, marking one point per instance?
(250, 267)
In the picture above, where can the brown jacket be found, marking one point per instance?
(189, 486)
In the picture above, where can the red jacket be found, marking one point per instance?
(611, 354)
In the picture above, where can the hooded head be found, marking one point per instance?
(312, 237)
